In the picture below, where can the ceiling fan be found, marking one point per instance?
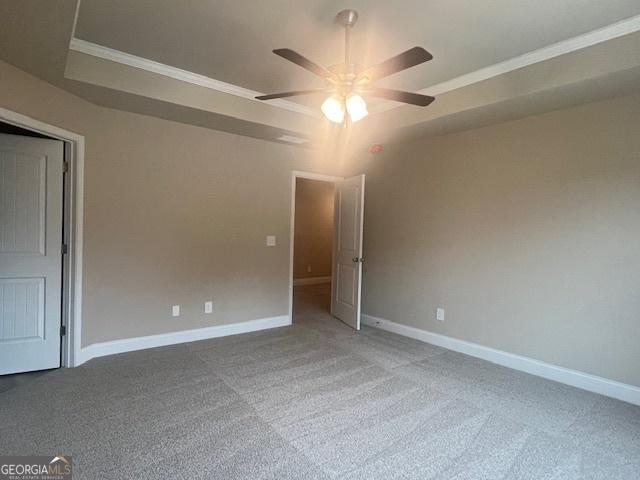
(347, 81)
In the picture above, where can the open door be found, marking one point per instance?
(31, 175)
(347, 262)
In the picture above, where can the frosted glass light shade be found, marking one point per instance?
(333, 109)
(357, 107)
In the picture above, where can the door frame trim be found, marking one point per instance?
(295, 174)
(74, 208)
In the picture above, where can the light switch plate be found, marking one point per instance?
(440, 314)
(175, 310)
(271, 240)
(208, 307)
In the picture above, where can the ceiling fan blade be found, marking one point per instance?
(399, 96)
(412, 57)
(290, 94)
(304, 62)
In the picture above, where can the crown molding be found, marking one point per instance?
(600, 35)
(106, 53)
(75, 19)
(594, 37)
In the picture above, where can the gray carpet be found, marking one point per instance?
(318, 401)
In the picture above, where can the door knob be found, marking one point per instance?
(356, 259)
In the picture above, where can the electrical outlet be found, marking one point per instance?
(440, 314)
(175, 310)
(208, 307)
(271, 240)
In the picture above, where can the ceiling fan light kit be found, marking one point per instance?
(347, 82)
(335, 105)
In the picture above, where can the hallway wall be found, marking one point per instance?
(313, 247)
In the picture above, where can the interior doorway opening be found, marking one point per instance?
(70, 321)
(313, 246)
(326, 289)
(31, 247)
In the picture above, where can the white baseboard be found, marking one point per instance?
(311, 281)
(163, 339)
(585, 381)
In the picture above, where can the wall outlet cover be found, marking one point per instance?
(208, 307)
(175, 310)
(440, 314)
(271, 240)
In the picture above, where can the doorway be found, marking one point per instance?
(31, 250)
(326, 248)
(57, 232)
(313, 247)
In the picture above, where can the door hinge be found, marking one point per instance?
(65, 249)
(63, 330)
(65, 167)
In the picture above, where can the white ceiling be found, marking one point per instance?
(232, 40)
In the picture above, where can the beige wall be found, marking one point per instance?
(527, 233)
(313, 236)
(174, 214)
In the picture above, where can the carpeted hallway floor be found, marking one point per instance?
(316, 401)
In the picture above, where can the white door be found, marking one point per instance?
(347, 264)
(31, 177)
